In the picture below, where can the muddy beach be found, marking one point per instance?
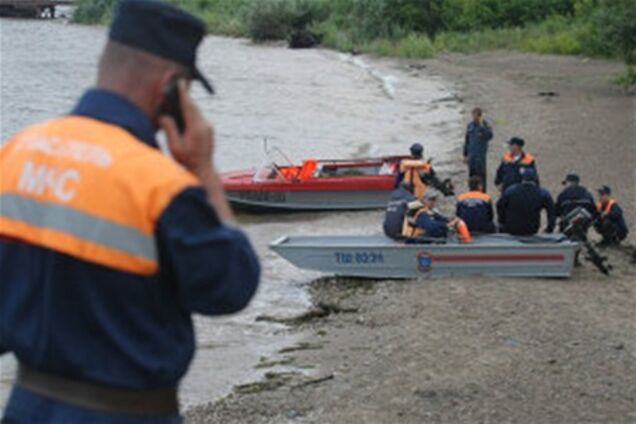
(478, 350)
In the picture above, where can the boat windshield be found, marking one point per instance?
(268, 172)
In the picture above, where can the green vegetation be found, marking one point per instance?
(422, 28)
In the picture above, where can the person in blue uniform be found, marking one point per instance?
(478, 136)
(475, 207)
(573, 196)
(513, 164)
(519, 208)
(107, 246)
(423, 220)
(396, 210)
(610, 223)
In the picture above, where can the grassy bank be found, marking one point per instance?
(423, 28)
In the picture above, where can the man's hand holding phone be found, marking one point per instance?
(193, 148)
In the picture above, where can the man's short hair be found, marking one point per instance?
(475, 183)
(478, 111)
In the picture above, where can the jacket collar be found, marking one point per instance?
(114, 109)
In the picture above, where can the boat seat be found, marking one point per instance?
(308, 168)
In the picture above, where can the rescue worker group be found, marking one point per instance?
(103, 260)
(411, 213)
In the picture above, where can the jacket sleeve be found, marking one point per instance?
(548, 204)
(487, 132)
(213, 265)
(558, 207)
(499, 175)
(591, 206)
(466, 142)
(398, 179)
(502, 203)
(533, 165)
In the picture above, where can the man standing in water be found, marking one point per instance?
(107, 246)
(478, 135)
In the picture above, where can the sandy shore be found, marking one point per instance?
(479, 350)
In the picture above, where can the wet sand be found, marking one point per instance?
(479, 350)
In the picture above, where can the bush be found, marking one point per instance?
(275, 19)
(556, 35)
(468, 15)
(615, 23)
(93, 11)
(627, 79)
(411, 47)
(269, 20)
(489, 39)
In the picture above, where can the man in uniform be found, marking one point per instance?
(610, 223)
(396, 210)
(423, 220)
(513, 164)
(475, 207)
(107, 247)
(478, 135)
(573, 196)
(417, 155)
(519, 208)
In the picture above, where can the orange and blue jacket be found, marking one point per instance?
(106, 249)
(510, 169)
(476, 210)
(611, 213)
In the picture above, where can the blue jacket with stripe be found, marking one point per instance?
(86, 321)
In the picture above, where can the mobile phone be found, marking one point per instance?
(172, 103)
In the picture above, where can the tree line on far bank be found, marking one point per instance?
(421, 28)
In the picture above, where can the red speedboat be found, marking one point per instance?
(354, 184)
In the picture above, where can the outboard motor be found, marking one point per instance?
(445, 186)
(577, 223)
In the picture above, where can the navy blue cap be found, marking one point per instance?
(604, 190)
(571, 178)
(417, 149)
(160, 29)
(517, 141)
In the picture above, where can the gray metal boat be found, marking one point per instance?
(376, 256)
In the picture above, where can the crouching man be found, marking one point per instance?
(611, 222)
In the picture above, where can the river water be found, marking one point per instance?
(310, 103)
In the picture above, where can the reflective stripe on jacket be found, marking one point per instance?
(605, 210)
(87, 189)
(510, 170)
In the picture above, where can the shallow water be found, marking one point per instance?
(309, 103)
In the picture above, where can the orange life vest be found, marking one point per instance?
(526, 158)
(604, 211)
(408, 227)
(87, 189)
(410, 230)
(411, 169)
